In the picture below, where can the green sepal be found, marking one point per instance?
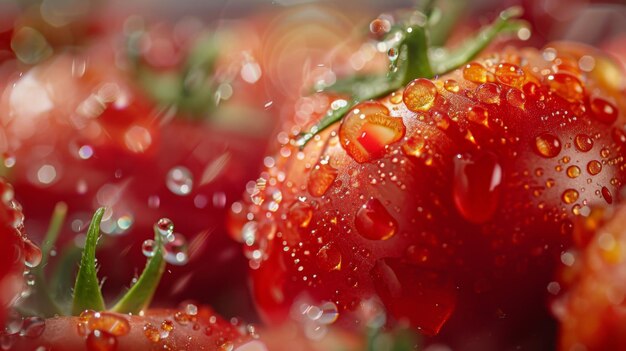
(139, 296)
(87, 294)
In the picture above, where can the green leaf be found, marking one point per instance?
(87, 294)
(42, 301)
(139, 296)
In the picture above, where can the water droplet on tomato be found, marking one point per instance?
(573, 171)
(516, 98)
(594, 167)
(322, 176)
(569, 196)
(329, 258)
(478, 115)
(151, 333)
(583, 142)
(475, 72)
(510, 74)
(101, 341)
(374, 222)
(489, 93)
(547, 145)
(179, 180)
(603, 110)
(566, 86)
(476, 186)
(419, 95)
(414, 146)
(451, 85)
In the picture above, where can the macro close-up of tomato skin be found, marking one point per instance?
(449, 201)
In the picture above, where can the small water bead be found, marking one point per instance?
(179, 180)
(569, 196)
(393, 54)
(516, 98)
(374, 222)
(451, 85)
(321, 178)
(605, 152)
(547, 145)
(176, 251)
(566, 86)
(419, 95)
(603, 110)
(606, 194)
(489, 93)
(583, 142)
(510, 74)
(148, 247)
(573, 171)
(475, 72)
(165, 227)
(594, 167)
(101, 341)
(329, 258)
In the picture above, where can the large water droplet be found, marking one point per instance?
(476, 186)
(583, 142)
(603, 110)
(329, 258)
(419, 95)
(510, 74)
(179, 180)
(374, 222)
(566, 86)
(475, 72)
(322, 176)
(547, 145)
(569, 196)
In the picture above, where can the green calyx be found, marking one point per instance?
(417, 53)
(87, 293)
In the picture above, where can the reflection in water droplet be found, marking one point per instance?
(419, 95)
(547, 145)
(569, 196)
(148, 248)
(476, 186)
(176, 250)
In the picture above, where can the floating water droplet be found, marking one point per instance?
(547, 145)
(476, 186)
(380, 26)
(176, 251)
(374, 222)
(419, 95)
(179, 180)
